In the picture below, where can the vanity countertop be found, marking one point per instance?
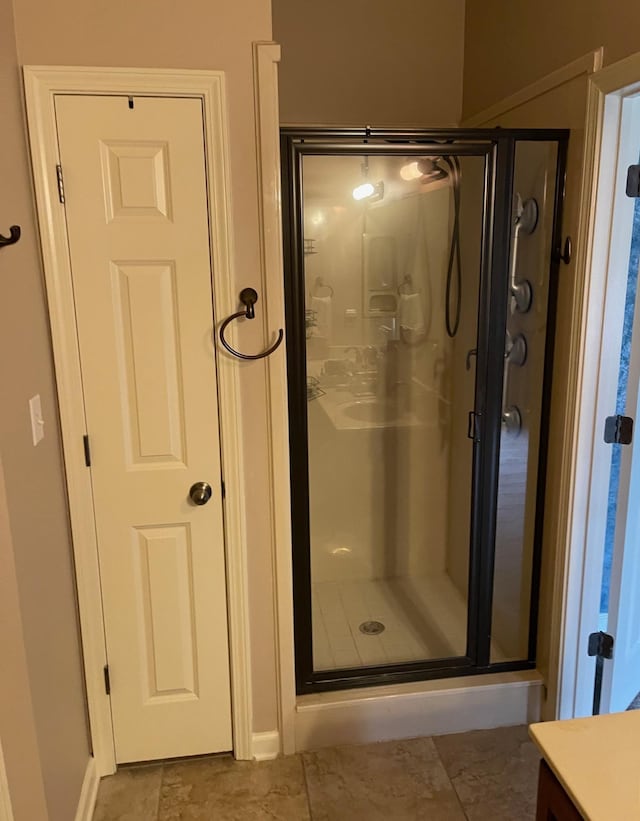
(597, 761)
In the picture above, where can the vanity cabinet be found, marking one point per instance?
(553, 802)
(590, 768)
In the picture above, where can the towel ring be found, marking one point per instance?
(14, 236)
(320, 284)
(248, 297)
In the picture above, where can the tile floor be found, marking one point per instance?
(488, 775)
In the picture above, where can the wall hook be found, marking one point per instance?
(566, 253)
(14, 232)
(248, 297)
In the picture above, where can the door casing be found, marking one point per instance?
(41, 86)
(580, 576)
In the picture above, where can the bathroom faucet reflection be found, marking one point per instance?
(393, 330)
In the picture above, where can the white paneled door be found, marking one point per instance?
(138, 227)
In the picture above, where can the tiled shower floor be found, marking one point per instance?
(424, 618)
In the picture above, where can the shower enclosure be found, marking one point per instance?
(420, 271)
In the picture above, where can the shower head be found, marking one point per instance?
(426, 169)
(430, 170)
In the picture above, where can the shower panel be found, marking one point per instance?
(420, 288)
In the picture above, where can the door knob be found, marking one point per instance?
(200, 493)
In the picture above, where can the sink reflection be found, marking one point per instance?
(372, 410)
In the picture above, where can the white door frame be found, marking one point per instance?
(608, 88)
(266, 57)
(41, 85)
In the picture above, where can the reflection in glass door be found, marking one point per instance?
(397, 260)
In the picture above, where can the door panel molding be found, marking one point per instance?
(41, 86)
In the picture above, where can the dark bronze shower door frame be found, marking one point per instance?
(497, 146)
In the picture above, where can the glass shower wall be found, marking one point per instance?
(388, 396)
(533, 206)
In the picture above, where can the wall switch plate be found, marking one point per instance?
(37, 422)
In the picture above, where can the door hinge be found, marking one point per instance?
(60, 183)
(633, 181)
(224, 490)
(107, 680)
(87, 451)
(618, 430)
(601, 646)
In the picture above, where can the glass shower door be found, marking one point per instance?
(392, 250)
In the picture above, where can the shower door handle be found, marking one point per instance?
(473, 430)
(471, 352)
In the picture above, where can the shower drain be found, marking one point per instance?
(371, 628)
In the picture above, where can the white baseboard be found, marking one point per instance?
(266, 746)
(418, 709)
(89, 792)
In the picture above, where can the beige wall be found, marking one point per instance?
(373, 63)
(35, 493)
(194, 35)
(509, 45)
(17, 726)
